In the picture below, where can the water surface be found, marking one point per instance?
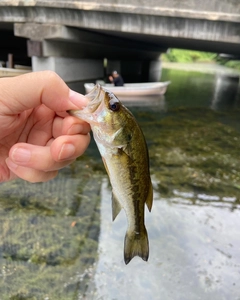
(58, 240)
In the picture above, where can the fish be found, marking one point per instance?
(124, 152)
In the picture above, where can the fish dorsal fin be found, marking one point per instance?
(116, 206)
(149, 200)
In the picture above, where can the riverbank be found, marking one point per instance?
(199, 57)
(210, 68)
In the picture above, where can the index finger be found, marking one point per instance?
(32, 89)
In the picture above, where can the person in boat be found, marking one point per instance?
(116, 79)
(37, 136)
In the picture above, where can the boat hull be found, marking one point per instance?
(134, 89)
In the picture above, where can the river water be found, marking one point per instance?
(57, 240)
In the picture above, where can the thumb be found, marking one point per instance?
(27, 91)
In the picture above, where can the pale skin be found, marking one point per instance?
(37, 136)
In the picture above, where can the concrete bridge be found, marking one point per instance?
(73, 37)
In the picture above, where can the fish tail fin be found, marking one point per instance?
(136, 244)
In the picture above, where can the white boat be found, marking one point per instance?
(133, 89)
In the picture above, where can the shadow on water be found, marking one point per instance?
(58, 240)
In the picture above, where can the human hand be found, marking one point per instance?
(37, 136)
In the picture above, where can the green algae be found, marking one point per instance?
(49, 235)
(194, 149)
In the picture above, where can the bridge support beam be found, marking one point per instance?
(62, 50)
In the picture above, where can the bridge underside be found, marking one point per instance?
(183, 43)
(207, 32)
(95, 34)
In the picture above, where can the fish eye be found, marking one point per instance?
(114, 105)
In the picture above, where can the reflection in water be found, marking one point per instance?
(186, 198)
(226, 91)
(193, 254)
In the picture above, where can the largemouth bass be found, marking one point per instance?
(125, 155)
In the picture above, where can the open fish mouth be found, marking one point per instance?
(95, 97)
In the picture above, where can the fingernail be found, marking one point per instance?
(20, 155)
(77, 99)
(67, 151)
(11, 165)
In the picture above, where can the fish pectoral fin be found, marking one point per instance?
(127, 150)
(149, 200)
(116, 206)
(115, 135)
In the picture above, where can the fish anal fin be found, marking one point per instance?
(149, 200)
(116, 207)
(136, 244)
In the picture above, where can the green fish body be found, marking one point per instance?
(125, 155)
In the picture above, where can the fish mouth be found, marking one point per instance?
(95, 97)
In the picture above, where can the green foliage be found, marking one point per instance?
(185, 56)
(190, 56)
(235, 64)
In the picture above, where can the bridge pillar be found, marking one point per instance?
(72, 70)
(155, 70)
(136, 71)
(227, 91)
